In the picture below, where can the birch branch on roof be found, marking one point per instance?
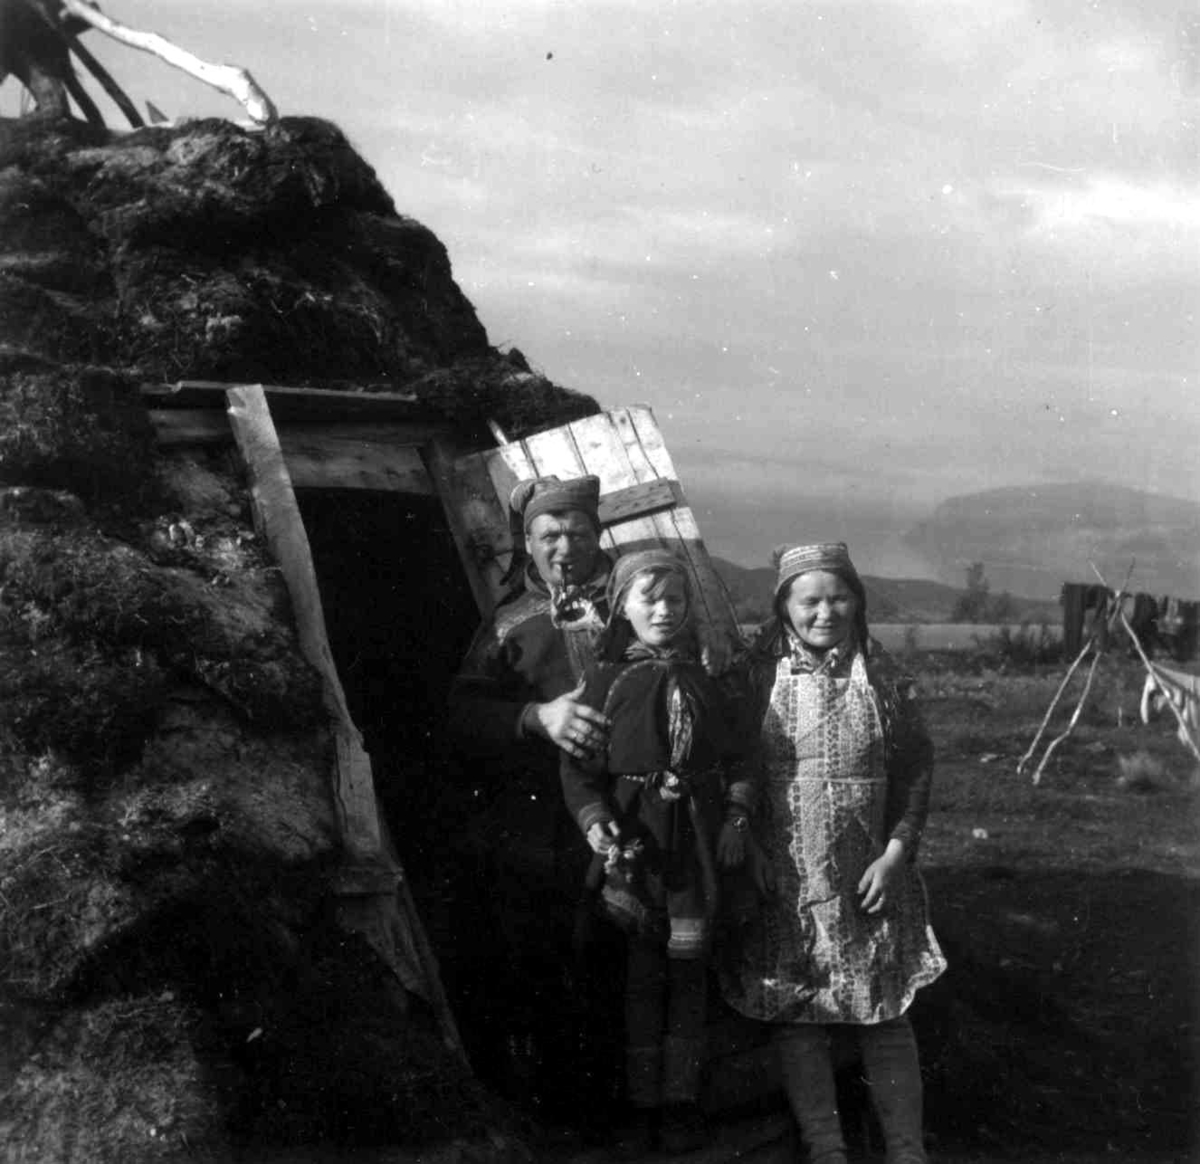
(228, 79)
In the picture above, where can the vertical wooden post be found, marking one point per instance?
(374, 896)
(1072, 604)
(278, 517)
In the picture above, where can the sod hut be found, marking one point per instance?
(205, 936)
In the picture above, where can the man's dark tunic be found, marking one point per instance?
(529, 860)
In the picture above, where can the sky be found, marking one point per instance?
(859, 257)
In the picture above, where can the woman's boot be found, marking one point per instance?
(889, 1053)
(812, 1094)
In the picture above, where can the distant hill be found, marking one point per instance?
(1031, 540)
(916, 600)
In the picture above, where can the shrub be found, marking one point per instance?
(1141, 772)
(1023, 646)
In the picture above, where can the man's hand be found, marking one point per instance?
(577, 729)
(876, 884)
(602, 836)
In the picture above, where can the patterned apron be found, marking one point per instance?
(813, 955)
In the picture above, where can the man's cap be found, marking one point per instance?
(553, 495)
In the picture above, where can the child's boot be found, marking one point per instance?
(643, 1074)
(804, 1057)
(684, 1128)
(889, 1054)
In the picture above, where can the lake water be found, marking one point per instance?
(946, 636)
(943, 636)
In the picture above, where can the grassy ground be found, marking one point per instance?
(1066, 1027)
(1070, 914)
(1065, 1030)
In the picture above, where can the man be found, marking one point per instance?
(516, 690)
(514, 706)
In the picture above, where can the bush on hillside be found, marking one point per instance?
(1027, 645)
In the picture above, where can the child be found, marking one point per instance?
(657, 814)
(846, 766)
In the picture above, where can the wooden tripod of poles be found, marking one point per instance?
(1115, 616)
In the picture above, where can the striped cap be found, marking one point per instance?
(792, 561)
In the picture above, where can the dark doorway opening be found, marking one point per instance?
(400, 617)
(399, 614)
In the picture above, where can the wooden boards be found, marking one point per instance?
(328, 460)
(382, 457)
(642, 503)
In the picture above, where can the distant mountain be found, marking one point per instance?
(1031, 540)
(905, 600)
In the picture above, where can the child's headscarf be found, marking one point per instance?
(617, 635)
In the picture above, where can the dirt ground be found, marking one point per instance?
(1069, 912)
(1066, 1027)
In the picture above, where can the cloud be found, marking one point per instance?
(1116, 201)
(915, 246)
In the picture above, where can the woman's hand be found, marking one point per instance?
(876, 885)
(577, 729)
(731, 846)
(762, 871)
(602, 836)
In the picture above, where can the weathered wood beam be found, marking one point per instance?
(189, 426)
(204, 426)
(639, 501)
(331, 463)
(278, 518)
(468, 502)
(314, 404)
(382, 458)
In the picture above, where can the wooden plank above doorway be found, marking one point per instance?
(312, 404)
(330, 440)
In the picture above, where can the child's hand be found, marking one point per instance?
(716, 653)
(731, 846)
(603, 835)
(876, 884)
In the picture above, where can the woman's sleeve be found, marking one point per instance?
(910, 769)
(743, 761)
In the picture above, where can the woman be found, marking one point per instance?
(844, 941)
